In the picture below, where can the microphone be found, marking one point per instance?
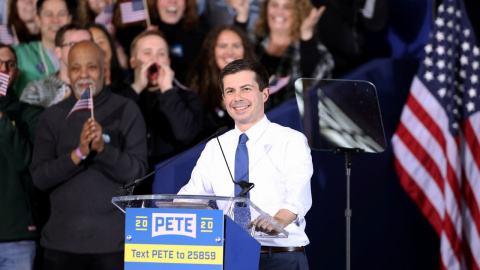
(244, 185)
(134, 183)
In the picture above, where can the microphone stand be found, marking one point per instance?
(348, 212)
(246, 186)
(130, 186)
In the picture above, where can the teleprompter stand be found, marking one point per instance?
(348, 212)
(342, 116)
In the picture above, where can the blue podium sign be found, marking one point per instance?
(176, 238)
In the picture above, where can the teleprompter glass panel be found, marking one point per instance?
(340, 113)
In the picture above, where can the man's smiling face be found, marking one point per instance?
(243, 98)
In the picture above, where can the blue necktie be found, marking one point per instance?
(241, 211)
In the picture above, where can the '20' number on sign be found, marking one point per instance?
(206, 225)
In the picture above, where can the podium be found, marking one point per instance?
(190, 232)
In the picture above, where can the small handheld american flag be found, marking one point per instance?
(7, 35)
(4, 83)
(105, 17)
(85, 102)
(278, 83)
(133, 11)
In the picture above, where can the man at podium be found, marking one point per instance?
(275, 158)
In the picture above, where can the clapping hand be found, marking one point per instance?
(97, 135)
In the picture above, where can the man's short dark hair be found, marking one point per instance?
(261, 74)
(10, 49)
(60, 36)
(40, 5)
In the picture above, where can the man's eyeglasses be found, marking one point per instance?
(70, 44)
(10, 64)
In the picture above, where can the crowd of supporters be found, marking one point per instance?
(165, 66)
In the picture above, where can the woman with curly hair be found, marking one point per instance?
(21, 14)
(287, 47)
(222, 45)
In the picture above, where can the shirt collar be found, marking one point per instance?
(256, 131)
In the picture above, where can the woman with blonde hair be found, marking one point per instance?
(287, 47)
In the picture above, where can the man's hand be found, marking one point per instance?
(86, 137)
(282, 218)
(308, 25)
(263, 225)
(165, 77)
(141, 77)
(97, 138)
(242, 7)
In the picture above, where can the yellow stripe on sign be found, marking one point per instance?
(204, 218)
(141, 217)
(174, 254)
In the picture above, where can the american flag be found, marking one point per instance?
(6, 35)
(83, 103)
(3, 83)
(436, 145)
(278, 83)
(105, 17)
(133, 11)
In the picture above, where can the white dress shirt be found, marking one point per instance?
(280, 166)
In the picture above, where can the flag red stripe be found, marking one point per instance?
(472, 142)
(453, 238)
(427, 121)
(472, 205)
(442, 266)
(422, 156)
(437, 134)
(468, 192)
(419, 197)
(468, 256)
